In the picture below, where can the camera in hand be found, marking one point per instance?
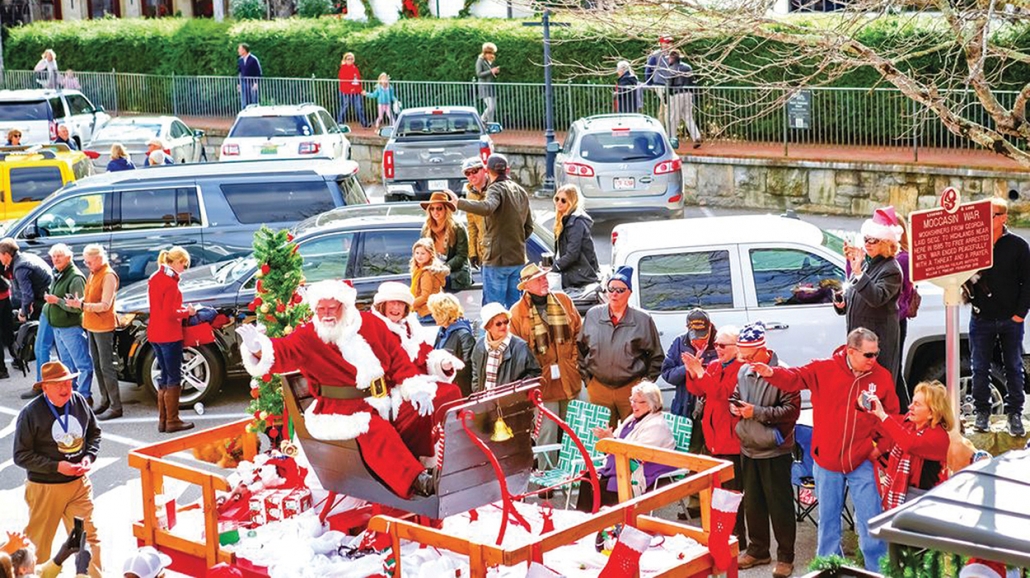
(865, 400)
(838, 297)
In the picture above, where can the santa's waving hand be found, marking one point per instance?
(361, 377)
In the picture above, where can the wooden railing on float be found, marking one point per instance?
(709, 474)
(153, 470)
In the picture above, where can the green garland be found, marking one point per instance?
(279, 308)
(466, 9)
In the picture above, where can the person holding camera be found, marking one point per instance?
(844, 434)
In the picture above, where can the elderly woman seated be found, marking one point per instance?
(646, 426)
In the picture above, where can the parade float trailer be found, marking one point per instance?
(480, 472)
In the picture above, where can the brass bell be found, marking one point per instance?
(502, 432)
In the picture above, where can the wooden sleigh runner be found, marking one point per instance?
(475, 471)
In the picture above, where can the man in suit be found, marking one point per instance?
(249, 68)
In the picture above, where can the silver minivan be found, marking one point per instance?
(622, 163)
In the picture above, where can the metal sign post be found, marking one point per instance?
(551, 147)
(947, 246)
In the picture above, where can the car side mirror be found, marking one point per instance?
(97, 109)
(199, 133)
(674, 142)
(493, 128)
(344, 129)
(31, 231)
(386, 132)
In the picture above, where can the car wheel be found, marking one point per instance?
(203, 372)
(936, 372)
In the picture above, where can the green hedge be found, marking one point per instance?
(422, 49)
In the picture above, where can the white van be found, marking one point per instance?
(37, 114)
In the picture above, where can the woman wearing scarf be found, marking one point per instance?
(454, 336)
(645, 426)
(919, 456)
(499, 357)
(450, 240)
(577, 259)
(393, 304)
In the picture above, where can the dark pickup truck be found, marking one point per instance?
(426, 148)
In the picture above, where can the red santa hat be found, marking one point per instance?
(980, 568)
(334, 289)
(883, 225)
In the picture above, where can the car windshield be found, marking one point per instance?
(24, 111)
(270, 126)
(443, 123)
(128, 132)
(621, 146)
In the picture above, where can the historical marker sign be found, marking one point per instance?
(951, 242)
(799, 109)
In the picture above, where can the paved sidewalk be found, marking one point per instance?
(527, 141)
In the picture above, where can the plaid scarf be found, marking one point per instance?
(555, 329)
(494, 355)
(896, 478)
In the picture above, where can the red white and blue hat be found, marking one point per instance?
(752, 335)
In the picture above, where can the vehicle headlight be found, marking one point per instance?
(123, 320)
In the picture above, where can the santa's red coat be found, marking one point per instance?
(366, 352)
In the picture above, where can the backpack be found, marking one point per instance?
(913, 303)
(23, 351)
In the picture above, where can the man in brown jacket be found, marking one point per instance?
(549, 323)
(475, 190)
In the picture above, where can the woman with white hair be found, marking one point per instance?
(645, 426)
(627, 89)
(47, 69)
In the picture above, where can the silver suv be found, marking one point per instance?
(622, 163)
(37, 114)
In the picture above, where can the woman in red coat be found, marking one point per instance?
(350, 90)
(165, 334)
(918, 445)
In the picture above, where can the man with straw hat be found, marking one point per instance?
(56, 441)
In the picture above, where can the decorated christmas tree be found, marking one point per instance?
(279, 309)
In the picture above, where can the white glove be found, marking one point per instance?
(249, 334)
(422, 401)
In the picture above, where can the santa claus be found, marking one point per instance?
(392, 303)
(365, 385)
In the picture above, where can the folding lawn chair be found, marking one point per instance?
(582, 417)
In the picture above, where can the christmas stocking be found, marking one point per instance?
(724, 518)
(625, 559)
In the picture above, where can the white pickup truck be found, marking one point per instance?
(777, 270)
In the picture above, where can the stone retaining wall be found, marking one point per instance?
(806, 186)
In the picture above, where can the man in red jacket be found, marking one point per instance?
(843, 433)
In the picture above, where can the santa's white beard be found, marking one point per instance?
(329, 330)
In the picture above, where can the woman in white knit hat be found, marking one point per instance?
(870, 297)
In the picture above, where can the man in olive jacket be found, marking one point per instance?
(548, 321)
(508, 222)
(766, 432)
(72, 343)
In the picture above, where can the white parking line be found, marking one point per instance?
(706, 211)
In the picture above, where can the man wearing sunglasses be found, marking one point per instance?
(474, 190)
(843, 434)
(618, 348)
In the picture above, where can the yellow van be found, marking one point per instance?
(29, 174)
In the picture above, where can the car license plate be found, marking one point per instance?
(623, 183)
(270, 149)
(438, 185)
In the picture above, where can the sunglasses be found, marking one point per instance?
(723, 345)
(1000, 214)
(618, 290)
(471, 172)
(871, 241)
(502, 323)
(560, 200)
(869, 354)
(437, 208)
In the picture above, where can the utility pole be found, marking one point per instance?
(551, 147)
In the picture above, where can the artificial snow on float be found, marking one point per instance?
(301, 547)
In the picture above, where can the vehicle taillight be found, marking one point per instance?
(230, 150)
(308, 148)
(484, 152)
(53, 130)
(666, 167)
(388, 164)
(615, 237)
(94, 155)
(579, 170)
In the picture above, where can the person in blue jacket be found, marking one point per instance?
(119, 159)
(698, 341)
(385, 97)
(249, 68)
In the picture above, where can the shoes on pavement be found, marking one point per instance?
(110, 414)
(783, 570)
(697, 144)
(983, 421)
(1016, 429)
(424, 484)
(104, 404)
(30, 394)
(748, 561)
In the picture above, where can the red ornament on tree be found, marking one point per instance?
(289, 237)
(280, 308)
(274, 433)
(260, 289)
(265, 269)
(255, 303)
(297, 298)
(255, 393)
(267, 378)
(270, 318)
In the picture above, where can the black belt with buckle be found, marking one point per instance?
(376, 389)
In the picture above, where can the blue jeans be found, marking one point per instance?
(44, 344)
(501, 285)
(73, 349)
(169, 361)
(829, 488)
(983, 334)
(355, 101)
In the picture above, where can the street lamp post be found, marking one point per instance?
(551, 147)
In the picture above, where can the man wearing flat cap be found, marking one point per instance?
(56, 442)
(507, 223)
(548, 321)
(618, 348)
